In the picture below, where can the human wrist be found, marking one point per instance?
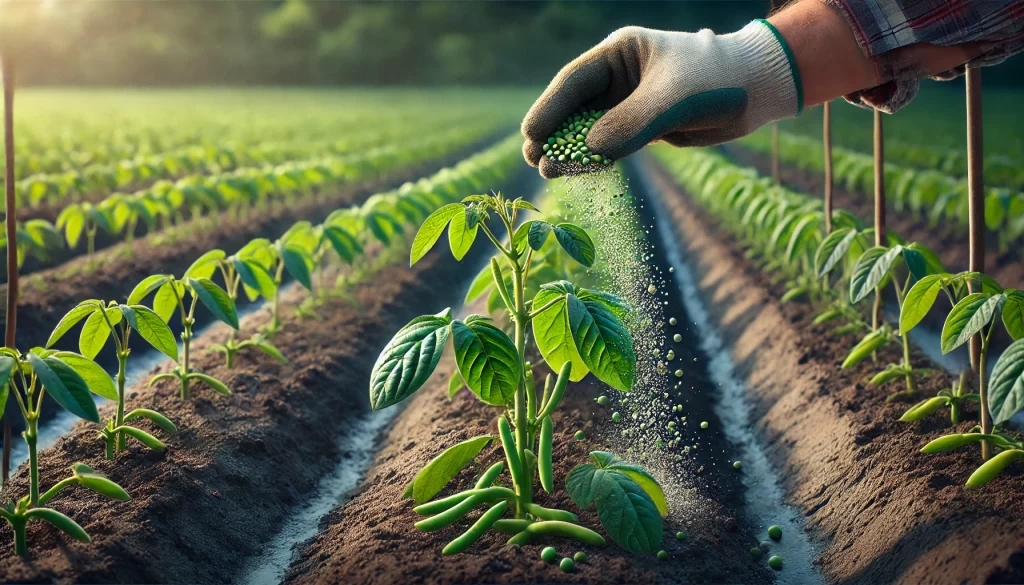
(768, 72)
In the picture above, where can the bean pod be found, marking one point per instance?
(544, 468)
(476, 530)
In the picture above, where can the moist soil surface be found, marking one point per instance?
(882, 511)
(370, 538)
(239, 465)
(949, 241)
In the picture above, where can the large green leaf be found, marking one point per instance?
(602, 341)
(646, 482)
(627, 513)
(145, 287)
(96, 378)
(431, 230)
(576, 242)
(1006, 390)
(1013, 314)
(167, 300)
(152, 328)
(871, 269)
(96, 332)
(487, 360)
(297, 262)
(256, 277)
(460, 235)
(215, 299)
(919, 301)
(345, 245)
(553, 335)
(441, 469)
(968, 317)
(538, 234)
(65, 386)
(408, 359)
(83, 310)
(205, 265)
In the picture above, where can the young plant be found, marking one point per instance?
(576, 330)
(103, 322)
(182, 294)
(83, 217)
(292, 252)
(68, 378)
(35, 238)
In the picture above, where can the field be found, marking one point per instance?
(349, 336)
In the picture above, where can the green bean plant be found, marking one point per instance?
(83, 217)
(35, 238)
(182, 295)
(116, 321)
(68, 378)
(575, 329)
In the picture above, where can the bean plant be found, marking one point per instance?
(116, 321)
(182, 294)
(68, 378)
(576, 330)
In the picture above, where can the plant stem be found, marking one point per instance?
(31, 435)
(522, 424)
(20, 542)
(954, 409)
(122, 367)
(7, 69)
(90, 238)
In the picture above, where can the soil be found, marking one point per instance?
(947, 240)
(370, 537)
(882, 511)
(239, 465)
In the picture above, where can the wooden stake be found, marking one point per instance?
(976, 215)
(880, 234)
(827, 136)
(7, 69)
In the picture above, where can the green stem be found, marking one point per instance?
(31, 436)
(955, 405)
(986, 417)
(122, 367)
(522, 424)
(20, 542)
(53, 491)
(90, 238)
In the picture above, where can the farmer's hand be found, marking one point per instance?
(690, 89)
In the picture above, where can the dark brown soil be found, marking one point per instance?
(371, 538)
(882, 511)
(239, 465)
(948, 241)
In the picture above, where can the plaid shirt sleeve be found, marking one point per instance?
(882, 26)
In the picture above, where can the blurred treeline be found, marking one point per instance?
(169, 42)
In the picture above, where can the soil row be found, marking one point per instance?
(370, 538)
(948, 241)
(240, 465)
(882, 511)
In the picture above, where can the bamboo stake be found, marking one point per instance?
(976, 215)
(7, 69)
(880, 234)
(827, 135)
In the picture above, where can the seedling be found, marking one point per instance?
(35, 238)
(576, 330)
(171, 294)
(79, 217)
(116, 321)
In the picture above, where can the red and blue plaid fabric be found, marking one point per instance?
(883, 26)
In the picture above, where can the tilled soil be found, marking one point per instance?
(371, 538)
(882, 511)
(239, 465)
(948, 241)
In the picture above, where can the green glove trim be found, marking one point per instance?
(706, 110)
(792, 65)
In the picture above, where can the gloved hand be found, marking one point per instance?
(690, 89)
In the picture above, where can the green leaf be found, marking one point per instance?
(60, 521)
(575, 241)
(144, 288)
(967, 318)
(143, 437)
(255, 276)
(160, 420)
(602, 341)
(919, 301)
(272, 351)
(83, 310)
(1006, 389)
(65, 386)
(869, 344)
(205, 265)
(96, 378)
(96, 332)
(627, 513)
(212, 382)
(487, 360)
(432, 229)
(460, 235)
(216, 300)
(409, 358)
(7, 364)
(916, 263)
(152, 328)
(554, 337)
(297, 262)
(646, 483)
(1013, 314)
(871, 269)
(345, 245)
(538, 234)
(73, 221)
(480, 285)
(455, 384)
(166, 300)
(924, 408)
(441, 469)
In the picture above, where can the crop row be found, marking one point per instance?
(240, 192)
(257, 270)
(783, 231)
(929, 195)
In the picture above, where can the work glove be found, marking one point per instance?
(689, 89)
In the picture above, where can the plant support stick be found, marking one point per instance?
(827, 136)
(880, 236)
(7, 68)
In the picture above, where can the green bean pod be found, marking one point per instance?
(924, 408)
(565, 529)
(499, 282)
(476, 530)
(511, 525)
(551, 513)
(872, 342)
(993, 467)
(522, 538)
(508, 442)
(559, 391)
(544, 459)
(490, 475)
(951, 442)
(438, 506)
(462, 508)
